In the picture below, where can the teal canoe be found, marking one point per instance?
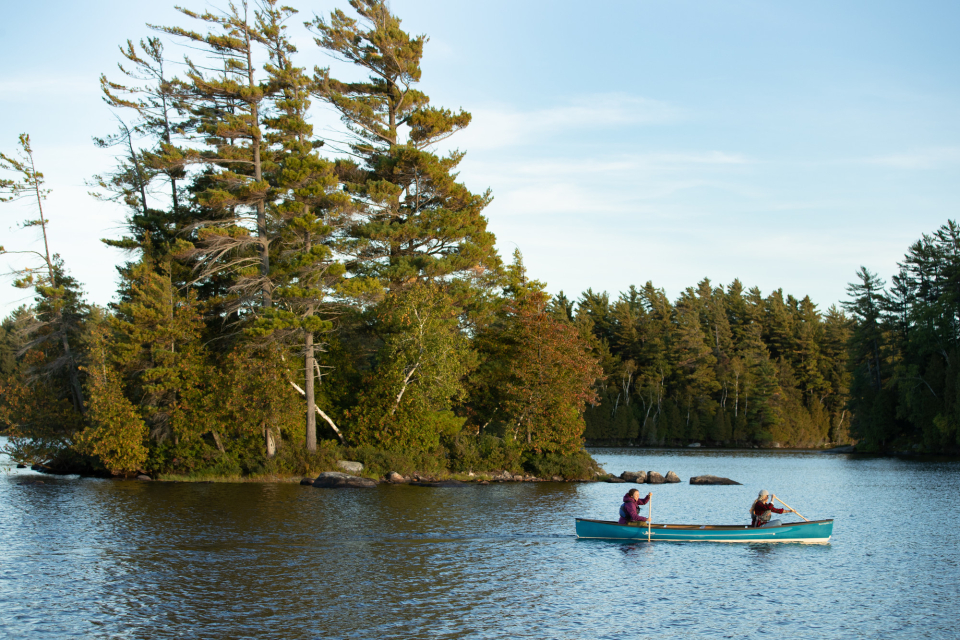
(814, 531)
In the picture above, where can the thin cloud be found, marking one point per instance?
(17, 89)
(500, 127)
(924, 159)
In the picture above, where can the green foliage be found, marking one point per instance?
(116, 434)
(905, 350)
(419, 373)
(723, 365)
(574, 466)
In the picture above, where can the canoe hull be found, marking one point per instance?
(814, 532)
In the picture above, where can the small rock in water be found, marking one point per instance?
(654, 478)
(672, 477)
(350, 467)
(615, 479)
(144, 477)
(693, 445)
(337, 480)
(306, 481)
(557, 478)
(711, 480)
(21, 466)
(395, 478)
(849, 448)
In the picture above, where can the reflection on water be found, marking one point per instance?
(125, 559)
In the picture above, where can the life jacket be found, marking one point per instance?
(756, 519)
(623, 512)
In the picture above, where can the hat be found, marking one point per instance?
(763, 494)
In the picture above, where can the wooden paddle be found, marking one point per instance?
(788, 506)
(649, 515)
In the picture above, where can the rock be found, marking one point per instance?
(638, 477)
(337, 480)
(144, 477)
(439, 483)
(615, 479)
(672, 477)
(483, 482)
(848, 448)
(654, 478)
(37, 467)
(557, 478)
(306, 481)
(693, 445)
(395, 478)
(350, 467)
(21, 466)
(711, 480)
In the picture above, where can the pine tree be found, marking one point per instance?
(59, 305)
(418, 221)
(228, 107)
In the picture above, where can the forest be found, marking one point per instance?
(286, 301)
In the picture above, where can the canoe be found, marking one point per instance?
(815, 531)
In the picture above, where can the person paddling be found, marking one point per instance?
(761, 510)
(628, 510)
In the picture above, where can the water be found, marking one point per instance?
(87, 558)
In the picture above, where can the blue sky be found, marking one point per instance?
(784, 144)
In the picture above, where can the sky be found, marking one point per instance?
(782, 143)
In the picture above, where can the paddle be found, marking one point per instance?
(649, 514)
(788, 506)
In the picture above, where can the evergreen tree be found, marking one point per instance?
(59, 306)
(115, 434)
(418, 221)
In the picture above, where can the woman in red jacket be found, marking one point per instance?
(761, 510)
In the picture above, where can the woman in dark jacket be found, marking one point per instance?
(761, 510)
(628, 510)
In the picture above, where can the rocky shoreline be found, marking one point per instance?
(350, 479)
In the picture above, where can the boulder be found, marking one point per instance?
(144, 477)
(711, 480)
(21, 466)
(395, 478)
(693, 445)
(634, 476)
(337, 480)
(306, 481)
(557, 478)
(654, 478)
(615, 479)
(672, 477)
(350, 467)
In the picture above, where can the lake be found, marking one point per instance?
(89, 558)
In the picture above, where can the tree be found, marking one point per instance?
(60, 308)
(115, 433)
(418, 221)
(544, 368)
(419, 374)
(228, 108)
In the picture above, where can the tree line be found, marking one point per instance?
(724, 365)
